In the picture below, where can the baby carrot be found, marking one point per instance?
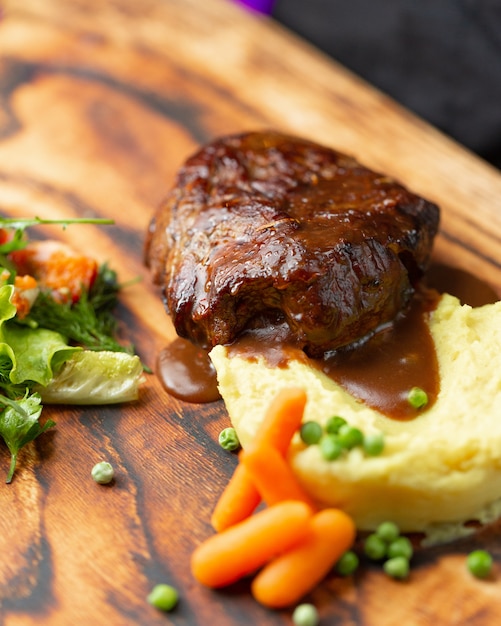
(272, 475)
(238, 500)
(291, 575)
(240, 497)
(241, 549)
(283, 418)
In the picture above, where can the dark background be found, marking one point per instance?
(439, 58)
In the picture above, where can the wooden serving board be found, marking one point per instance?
(100, 104)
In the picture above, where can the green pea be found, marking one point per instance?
(479, 563)
(305, 615)
(397, 567)
(310, 433)
(163, 597)
(417, 398)
(348, 563)
(375, 547)
(334, 424)
(402, 546)
(228, 439)
(102, 473)
(350, 437)
(388, 531)
(373, 444)
(330, 447)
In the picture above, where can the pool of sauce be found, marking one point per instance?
(379, 372)
(460, 283)
(187, 373)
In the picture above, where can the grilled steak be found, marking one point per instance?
(263, 228)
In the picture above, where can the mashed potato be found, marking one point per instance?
(436, 471)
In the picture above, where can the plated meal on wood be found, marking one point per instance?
(302, 272)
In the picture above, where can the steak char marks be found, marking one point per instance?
(264, 229)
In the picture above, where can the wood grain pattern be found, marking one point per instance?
(99, 105)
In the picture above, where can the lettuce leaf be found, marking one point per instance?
(28, 356)
(37, 353)
(90, 377)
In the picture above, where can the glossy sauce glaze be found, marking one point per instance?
(379, 372)
(262, 222)
(382, 371)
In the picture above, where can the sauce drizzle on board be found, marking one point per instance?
(187, 373)
(460, 283)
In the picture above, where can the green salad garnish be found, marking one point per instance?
(60, 351)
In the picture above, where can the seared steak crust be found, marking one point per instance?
(265, 228)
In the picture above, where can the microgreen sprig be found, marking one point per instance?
(17, 241)
(20, 425)
(22, 223)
